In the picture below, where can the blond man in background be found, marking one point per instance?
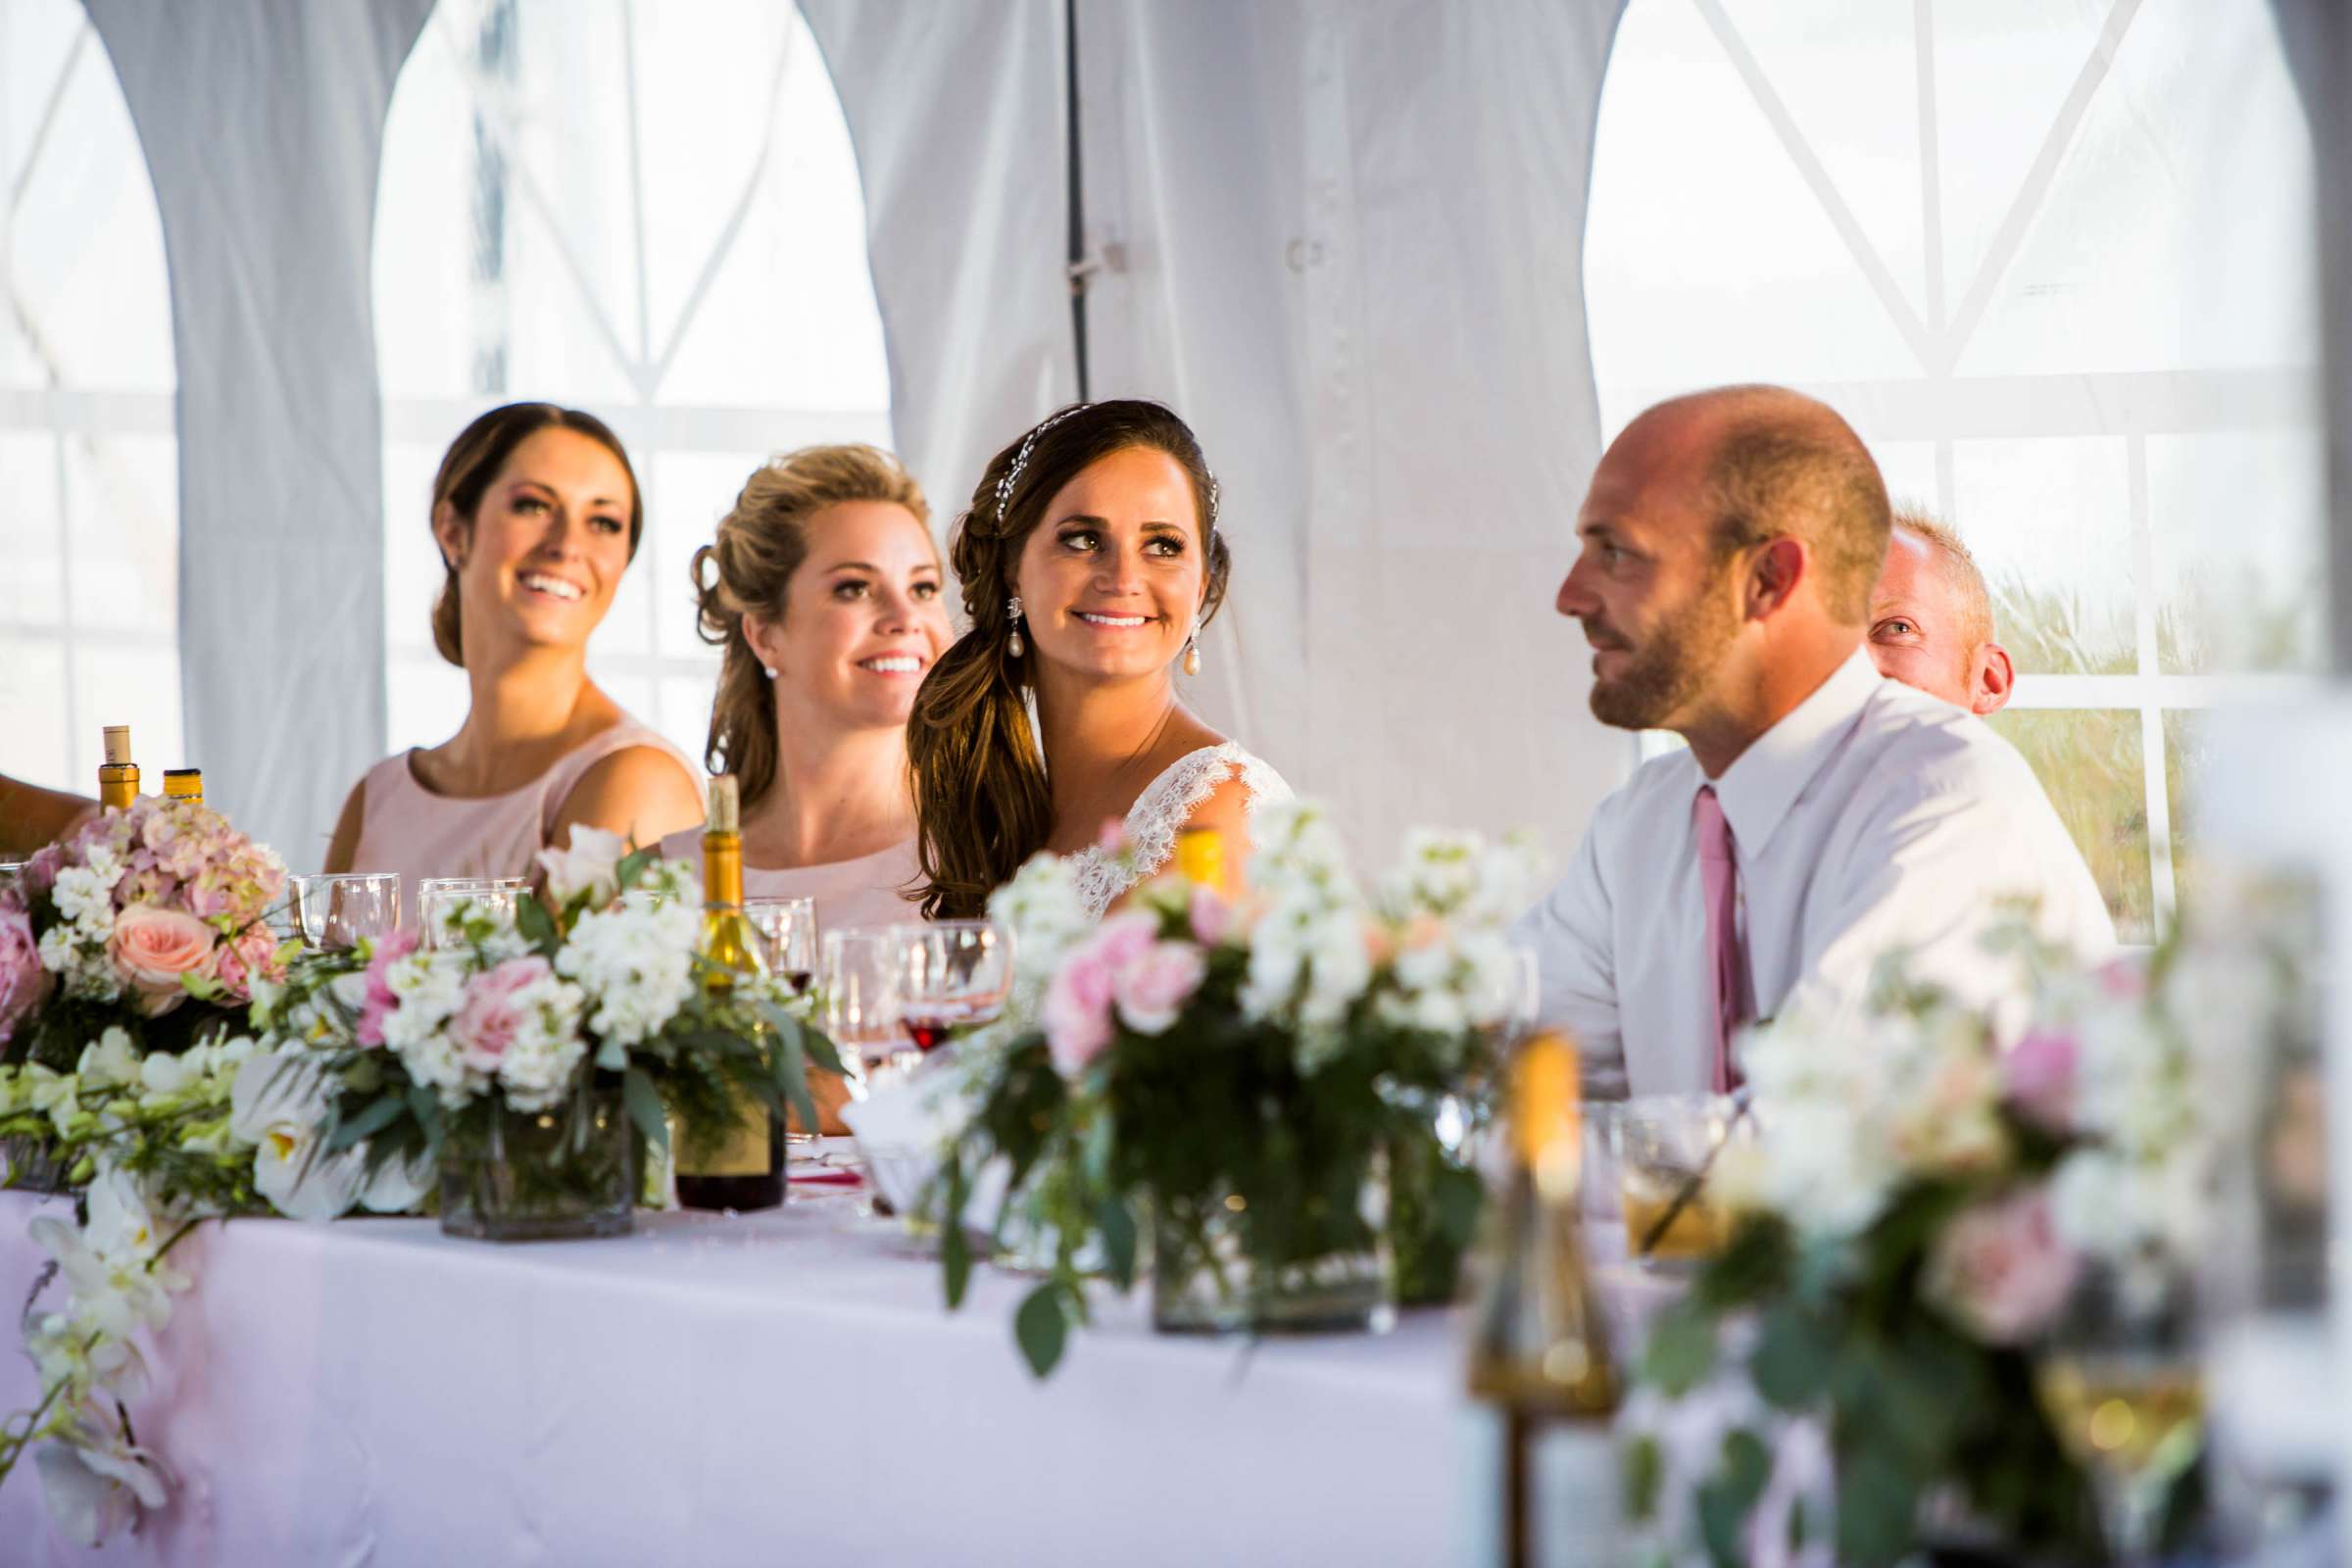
(1930, 619)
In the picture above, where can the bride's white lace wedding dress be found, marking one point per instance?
(1157, 813)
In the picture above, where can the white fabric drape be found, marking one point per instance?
(261, 122)
(956, 114)
(1345, 240)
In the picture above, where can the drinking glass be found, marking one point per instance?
(857, 975)
(787, 930)
(952, 974)
(342, 908)
(2124, 1390)
(1665, 1147)
(438, 898)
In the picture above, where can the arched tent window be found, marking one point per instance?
(649, 212)
(2054, 263)
(89, 493)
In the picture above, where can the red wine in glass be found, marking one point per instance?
(928, 1030)
(799, 980)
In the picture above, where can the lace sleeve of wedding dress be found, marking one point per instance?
(1163, 808)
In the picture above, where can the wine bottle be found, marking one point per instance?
(745, 1170)
(1201, 857)
(1540, 1350)
(117, 776)
(183, 784)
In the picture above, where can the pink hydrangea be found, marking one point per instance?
(250, 955)
(380, 1000)
(1208, 915)
(490, 1019)
(1999, 1269)
(2039, 1076)
(23, 984)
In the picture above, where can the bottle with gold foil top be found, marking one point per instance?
(1201, 857)
(117, 776)
(1540, 1350)
(183, 784)
(745, 1170)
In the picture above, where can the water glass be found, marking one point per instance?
(787, 930)
(857, 977)
(2122, 1383)
(341, 909)
(440, 898)
(952, 974)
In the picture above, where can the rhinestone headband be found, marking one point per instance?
(1020, 461)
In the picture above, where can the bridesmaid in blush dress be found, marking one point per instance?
(537, 515)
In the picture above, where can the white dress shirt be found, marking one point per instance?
(1872, 817)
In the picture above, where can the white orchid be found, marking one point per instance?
(591, 865)
(96, 1482)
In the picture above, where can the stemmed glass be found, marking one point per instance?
(2124, 1390)
(438, 897)
(341, 909)
(787, 930)
(857, 976)
(953, 973)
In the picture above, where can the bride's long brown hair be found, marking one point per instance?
(981, 801)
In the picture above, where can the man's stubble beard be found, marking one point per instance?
(1675, 665)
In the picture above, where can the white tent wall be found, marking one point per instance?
(261, 122)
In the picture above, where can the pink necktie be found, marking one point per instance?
(1727, 955)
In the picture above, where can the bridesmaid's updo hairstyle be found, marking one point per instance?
(473, 460)
(761, 542)
(980, 795)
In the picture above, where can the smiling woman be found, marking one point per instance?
(536, 514)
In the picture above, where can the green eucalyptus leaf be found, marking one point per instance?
(1878, 1504)
(954, 1246)
(632, 866)
(645, 1107)
(611, 1057)
(1795, 1356)
(821, 1051)
(378, 1115)
(1041, 1328)
(536, 926)
(1116, 1225)
(1682, 1349)
(1644, 1473)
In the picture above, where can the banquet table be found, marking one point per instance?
(714, 1390)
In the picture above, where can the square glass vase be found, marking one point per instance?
(1321, 1268)
(566, 1173)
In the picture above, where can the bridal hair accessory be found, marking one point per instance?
(1192, 654)
(1012, 611)
(1020, 461)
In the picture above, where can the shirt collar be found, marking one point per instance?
(1757, 790)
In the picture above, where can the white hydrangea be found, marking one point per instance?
(1043, 909)
(85, 896)
(430, 986)
(636, 965)
(537, 1067)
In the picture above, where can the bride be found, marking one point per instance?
(1090, 560)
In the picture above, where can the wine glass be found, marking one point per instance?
(952, 974)
(439, 897)
(787, 930)
(340, 910)
(1665, 1147)
(857, 975)
(2125, 1388)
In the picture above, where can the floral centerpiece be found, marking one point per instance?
(1933, 1200)
(1233, 1083)
(147, 921)
(531, 1062)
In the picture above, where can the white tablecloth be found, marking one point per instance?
(780, 1387)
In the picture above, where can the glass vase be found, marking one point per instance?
(563, 1175)
(29, 1165)
(1315, 1267)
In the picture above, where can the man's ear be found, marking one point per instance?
(1779, 565)
(1990, 680)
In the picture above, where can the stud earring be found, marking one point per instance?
(1192, 654)
(771, 671)
(1014, 645)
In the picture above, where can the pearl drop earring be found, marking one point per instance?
(1192, 654)
(1014, 645)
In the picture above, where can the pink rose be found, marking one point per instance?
(489, 1019)
(1153, 988)
(23, 983)
(380, 1000)
(1076, 1014)
(1209, 916)
(2039, 1077)
(250, 955)
(153, 949)
(1999, 1269)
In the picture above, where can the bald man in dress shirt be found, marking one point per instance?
(1930, 619)
(1729, 544)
